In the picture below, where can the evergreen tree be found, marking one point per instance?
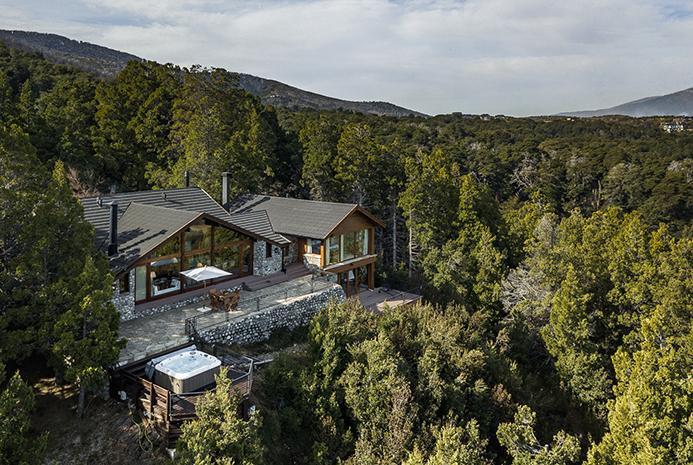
(18, 443)
(523, 446)
(86, 335)
(319, 138)
(219, 436)
(650, 417)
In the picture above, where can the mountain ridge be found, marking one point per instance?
(678, 103)
(106, 63)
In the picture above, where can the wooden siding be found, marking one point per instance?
(355, 221)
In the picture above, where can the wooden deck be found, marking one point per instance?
(377, 299)
(166, 411)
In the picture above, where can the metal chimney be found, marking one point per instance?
(186, 178)
(225, 178)
(113, 232)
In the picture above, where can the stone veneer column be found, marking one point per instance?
(261, 264)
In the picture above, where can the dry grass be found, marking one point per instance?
(108, 434)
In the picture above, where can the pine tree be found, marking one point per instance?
(649, 421)
(86, 335)
(523, 446)
(18, 443)
(219, 436)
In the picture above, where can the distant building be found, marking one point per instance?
(673, 126)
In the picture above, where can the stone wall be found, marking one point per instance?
(312, 260)
(262, 265)
(125, 301)
(258, 326)
(292, 254)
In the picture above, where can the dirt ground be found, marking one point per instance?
(108, 433)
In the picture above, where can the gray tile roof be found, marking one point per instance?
(145, 219)
(294, 217)
(187, 199)
(143, 227)
(259, 223)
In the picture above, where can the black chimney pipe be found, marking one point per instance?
(113, 233)
(186, 178)
(225, 177)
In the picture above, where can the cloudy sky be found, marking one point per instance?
(515, 57)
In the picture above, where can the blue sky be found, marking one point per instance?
(515, 57)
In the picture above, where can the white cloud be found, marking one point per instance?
(495, 56)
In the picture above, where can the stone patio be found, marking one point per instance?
(150, 335)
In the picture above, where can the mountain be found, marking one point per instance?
(676, 104)
(106, 63)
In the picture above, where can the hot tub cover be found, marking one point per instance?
(188, 364)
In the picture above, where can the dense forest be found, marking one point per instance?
(554, 255)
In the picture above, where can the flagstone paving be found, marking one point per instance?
(152, 334)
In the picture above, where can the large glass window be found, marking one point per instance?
(140, 283)
(347, 246)
(228, 259)
(247, 259)
(164, 276)
(224, 236)
(196, 261)
(313, 246)
(334, 250)
(170, 247)
(197, 237)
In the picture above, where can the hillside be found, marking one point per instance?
(106, 63)
(677, 104)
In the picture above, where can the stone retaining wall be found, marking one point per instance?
(258, 326)
(128, 313)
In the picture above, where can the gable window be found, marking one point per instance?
(268, 250)
(198, 237)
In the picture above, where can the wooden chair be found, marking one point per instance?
(226, 301)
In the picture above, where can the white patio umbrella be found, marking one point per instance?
(204, 273)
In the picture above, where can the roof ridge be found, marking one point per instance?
(307, 200)
(107, 195)
(149, 205)
(263, 212)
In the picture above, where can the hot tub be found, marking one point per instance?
(187, 371)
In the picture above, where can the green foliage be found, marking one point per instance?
(468, 269)
(568, 336)
(319, 139)
(219, 436)
(524, 447)
(379, 387)
(86, 335)
(216, 127)
(455, 445)
(19, 445)
(650, 418)
(38, 267)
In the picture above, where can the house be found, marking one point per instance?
(673, 126)
(337, 238)
(151, 237)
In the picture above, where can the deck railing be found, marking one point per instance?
(195, 324)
